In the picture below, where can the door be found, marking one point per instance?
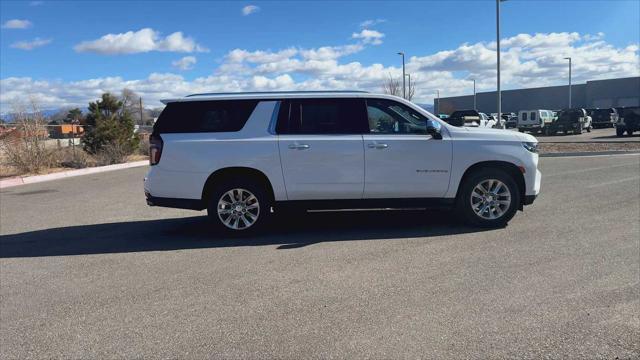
(401, 159)
(321, 148)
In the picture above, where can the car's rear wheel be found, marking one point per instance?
(619, 132)
(488, 198)
(238, 207)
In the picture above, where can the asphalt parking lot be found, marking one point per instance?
(87, 270)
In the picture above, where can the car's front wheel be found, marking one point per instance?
(488, 198)
(238, 207)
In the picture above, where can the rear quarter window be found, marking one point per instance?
(204, 116)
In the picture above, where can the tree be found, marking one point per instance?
(392, 86)
(131, 103)
(74, 116)
(111, 129)
(411, 89)
(107, 107)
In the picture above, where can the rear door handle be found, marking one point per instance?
(378, 146)
(299, 146)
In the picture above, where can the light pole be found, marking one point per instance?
(404, 91)
(437, 109)
(474, 95)
(569, 58)
(499, 95)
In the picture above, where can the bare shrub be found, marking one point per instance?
(24, 147)
(112, 153)
(74, 158)
(143, 147)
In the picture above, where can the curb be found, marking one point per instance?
(591, 153)
(17, 181)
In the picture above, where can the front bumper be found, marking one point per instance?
(529, 199)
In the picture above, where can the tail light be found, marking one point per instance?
(155, 149)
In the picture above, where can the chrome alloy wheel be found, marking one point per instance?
(238, 209)
(490, 199)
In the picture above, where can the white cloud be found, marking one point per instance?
(186, 63)
(372, 22)
(141, 41)
(30, 45)
(369, 36)
(250, 9)
(17, 24)
(524, 64)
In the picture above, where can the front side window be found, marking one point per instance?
(533, 116)
(524, 116)
(321, 116)
(390, 117)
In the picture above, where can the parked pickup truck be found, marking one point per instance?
(571, 120)
(470, 118)
(628, 120)
(603, 118)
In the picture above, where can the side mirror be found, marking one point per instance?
(433, 131)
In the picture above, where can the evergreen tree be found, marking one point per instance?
(110, 126)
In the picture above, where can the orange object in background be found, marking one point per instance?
(66, 130)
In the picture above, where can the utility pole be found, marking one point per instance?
(141, 123)
(438, 103)
(409, 92)
(404, 88)
(569, 58)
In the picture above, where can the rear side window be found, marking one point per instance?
(533, 115)
(204, 116)
(322, 116)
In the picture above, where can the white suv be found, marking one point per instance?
(245, 156)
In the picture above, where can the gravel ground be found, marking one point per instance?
(549, 148)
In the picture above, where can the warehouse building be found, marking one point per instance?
(593, 94)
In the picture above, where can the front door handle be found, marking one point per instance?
(378, 146)
(299, 146)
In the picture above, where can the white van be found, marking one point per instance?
(534, 120)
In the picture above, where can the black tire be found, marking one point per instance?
(264, 210)
(619, 132)
(589, 128)
(578, 130)
(463, 202)
(629, 132)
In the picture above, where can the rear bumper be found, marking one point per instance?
(189, 204)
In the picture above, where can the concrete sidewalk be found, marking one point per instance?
(17, 181)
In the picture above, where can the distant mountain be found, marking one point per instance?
(427, 107)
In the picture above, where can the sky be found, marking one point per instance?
(64, 54)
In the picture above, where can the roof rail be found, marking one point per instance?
(280, 92)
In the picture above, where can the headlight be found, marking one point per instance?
(531, 146)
